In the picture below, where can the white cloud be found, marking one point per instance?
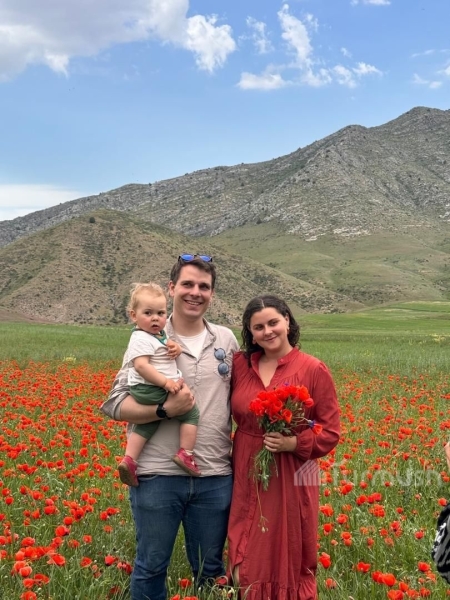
(211, 44)
(312, 22)
(365, 69)
(266, 81)
(424, 53)
(417, 79)
(52, 33)
(346, 53)
(305, 68)
(316, 79)
(259, 36)
(374, 2)
(19, 200)
(433, 85)
(430, 52)
(344, 76)
(446, 71)
(296, 36)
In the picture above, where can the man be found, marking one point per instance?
(166, 496)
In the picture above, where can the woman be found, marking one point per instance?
(440, 551)
(278, 560)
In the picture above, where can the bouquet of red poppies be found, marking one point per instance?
(281, 410)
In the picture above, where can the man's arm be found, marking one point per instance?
(120, 406)
(119, 391)
(138, 414)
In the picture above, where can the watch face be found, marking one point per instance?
(161, 412)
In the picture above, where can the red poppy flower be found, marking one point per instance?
(325, 560)
(57, 559)
(395, 595)
(388, 579)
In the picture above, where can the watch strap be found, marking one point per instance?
(161, 412)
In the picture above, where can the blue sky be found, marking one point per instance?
(99, 94)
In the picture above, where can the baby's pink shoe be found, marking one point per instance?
(186, 462)
(127, 471)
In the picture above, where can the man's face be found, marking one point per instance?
(192, 293)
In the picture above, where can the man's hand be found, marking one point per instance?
(173, 349)
(180, 403)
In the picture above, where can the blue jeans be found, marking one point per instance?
(160, 504)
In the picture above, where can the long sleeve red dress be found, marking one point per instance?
(279, 563)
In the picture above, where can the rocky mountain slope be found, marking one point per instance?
(358, 181)
(81, 271)
(357, 219)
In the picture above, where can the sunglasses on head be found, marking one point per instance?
(190, 257)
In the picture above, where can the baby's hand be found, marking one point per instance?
(172, 386)
(173, 349)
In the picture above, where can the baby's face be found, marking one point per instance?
(151, 312)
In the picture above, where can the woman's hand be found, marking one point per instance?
(275, 442)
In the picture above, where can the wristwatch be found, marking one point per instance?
(161, 412)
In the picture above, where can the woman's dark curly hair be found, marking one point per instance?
(256, 305)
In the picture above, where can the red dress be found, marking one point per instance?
(280, 563)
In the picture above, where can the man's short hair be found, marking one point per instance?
(207, 267)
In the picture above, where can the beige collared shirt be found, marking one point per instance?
(212, 395)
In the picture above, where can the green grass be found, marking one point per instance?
(37, 342)
(407, 336)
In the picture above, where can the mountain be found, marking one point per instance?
(356, 219)
(80, 271)
(358, 181)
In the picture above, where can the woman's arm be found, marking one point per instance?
(325, 413)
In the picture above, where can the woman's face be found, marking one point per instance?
(270, 331)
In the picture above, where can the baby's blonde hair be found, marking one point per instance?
(137, 288)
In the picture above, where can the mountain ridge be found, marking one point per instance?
(340, 184)
(357, 219)
(80, 271)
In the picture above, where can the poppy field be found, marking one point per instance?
(66, 530)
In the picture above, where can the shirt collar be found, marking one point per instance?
(171, 331)
(254, 358)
